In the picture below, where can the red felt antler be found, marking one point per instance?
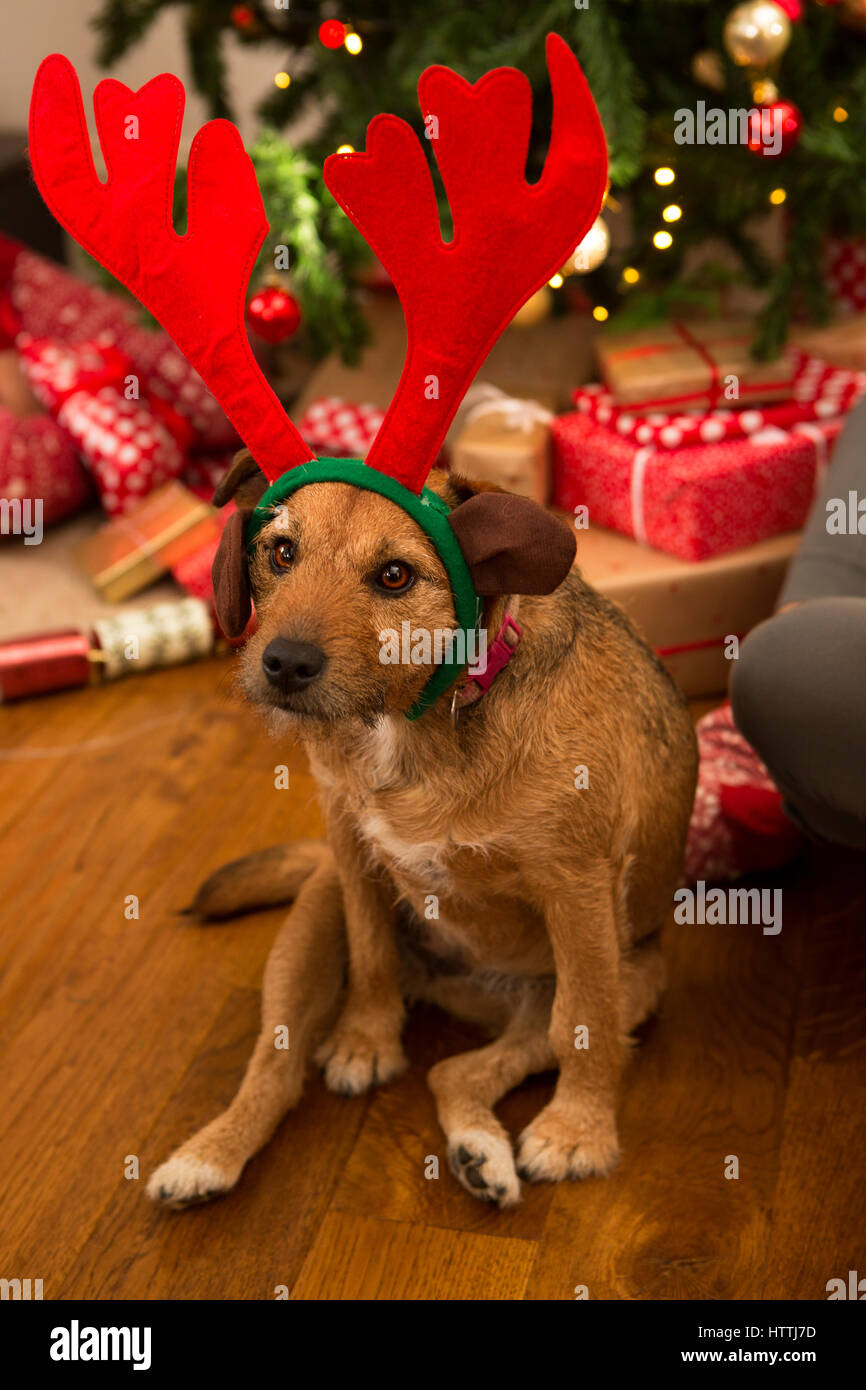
(195, 284)
(509, 236)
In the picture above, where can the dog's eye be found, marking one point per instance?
(395, 577)
(282, 555)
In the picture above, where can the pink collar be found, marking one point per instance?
(498, 656)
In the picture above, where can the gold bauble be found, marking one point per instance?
(592, 250)
(756, 33)
(853, 14)
(536, 309)
(709, 69)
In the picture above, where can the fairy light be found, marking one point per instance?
(662, 240)
(672, 213)
(353, 44)
(778, 196)
(764, 92)
(630, 275)
(840, 114)
(599, 313)
(664, 176)
(555, 281)
(345, 149)
(282, 79)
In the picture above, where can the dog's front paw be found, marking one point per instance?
(484, 1164)
(186, 1181)
(564, 1142)
(354, 1059)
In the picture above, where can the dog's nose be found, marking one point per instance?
(291, 665)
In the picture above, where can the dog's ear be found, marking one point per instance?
(231, 579)
(245, 482)
(511, 544)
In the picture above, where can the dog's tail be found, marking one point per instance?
(266, 879)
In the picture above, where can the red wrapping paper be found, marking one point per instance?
(845, 271)
(819, 391)
(696, 502)
(37, 664)
(340, 429)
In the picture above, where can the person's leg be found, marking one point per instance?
(798, 693)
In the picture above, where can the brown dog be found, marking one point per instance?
(514, 869)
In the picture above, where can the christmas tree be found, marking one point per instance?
(798, 66)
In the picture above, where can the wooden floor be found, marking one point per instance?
(118, 1037)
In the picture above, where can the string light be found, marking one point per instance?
(672, 213)
(840, 114)
(764, 92)
(664, 176)
(555, 281)
(599, 313)
(345, 149)
(282, 79)
(662, 240)
(778, 196)
(630, 275)
(353, 44)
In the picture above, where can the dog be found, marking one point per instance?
(513, 865)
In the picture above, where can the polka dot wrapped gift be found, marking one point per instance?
(695, 502)
(819, 391)
(131, 442)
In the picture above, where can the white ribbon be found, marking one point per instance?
(771, 434)
(638, 476)
(822, 451)
(517, 414)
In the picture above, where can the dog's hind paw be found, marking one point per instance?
(484, 1164)
(560, 1144)
(186, 1181)
(353, 1062)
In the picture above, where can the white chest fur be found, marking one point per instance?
(423, 859)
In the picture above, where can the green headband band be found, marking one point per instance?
(431, 514)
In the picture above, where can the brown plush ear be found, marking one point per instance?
(245, 482)
(511, 545)
(231, 580)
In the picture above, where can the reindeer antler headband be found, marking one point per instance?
(457, 296)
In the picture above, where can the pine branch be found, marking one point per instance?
(615, 86)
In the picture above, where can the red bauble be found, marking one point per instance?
(273, 314)
(793, 9)
(774, 129)
(332, 33)
(242, 17)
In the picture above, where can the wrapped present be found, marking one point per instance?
(51, 302)
(842, 343)
(203, 472)
(505, 441)
(685, 366)
(130, 446)
(131, 551)
(819, 391)
(738, 824)
(845, 272)
(694, 502)
(336, 428)
(688, 612)
(167, 375)
(38, 463)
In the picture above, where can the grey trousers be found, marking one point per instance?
(798, 690)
